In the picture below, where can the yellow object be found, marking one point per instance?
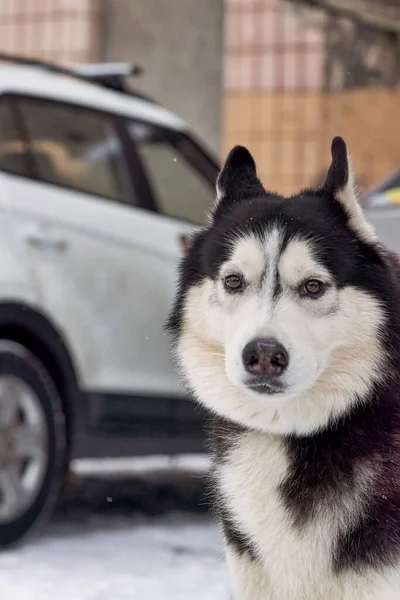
(393, 195)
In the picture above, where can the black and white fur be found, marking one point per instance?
(306, 470)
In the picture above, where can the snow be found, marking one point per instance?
(172, 558)
(95, 552)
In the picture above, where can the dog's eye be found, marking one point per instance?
(313, 288)
(233, 283)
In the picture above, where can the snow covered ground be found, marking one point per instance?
(172, 558)
(113, 556)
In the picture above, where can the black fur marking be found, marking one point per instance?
(237, 180)
(321, 469)
(239, 158)
(222, 434)
(277, 287)
(375, 542)
(191, 272)
(338, 174)
(236, 539)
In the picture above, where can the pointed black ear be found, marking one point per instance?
(238, 178)
(339, 183)
(339, 173)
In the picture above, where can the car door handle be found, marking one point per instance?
(45, 243)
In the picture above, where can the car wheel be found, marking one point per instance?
(32, 442)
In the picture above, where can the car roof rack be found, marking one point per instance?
(111, 75)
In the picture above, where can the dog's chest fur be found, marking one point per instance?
(286, 516)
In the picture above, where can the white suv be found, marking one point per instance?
(98, 189)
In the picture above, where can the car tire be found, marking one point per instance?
(32, 443)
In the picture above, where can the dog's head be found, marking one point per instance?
(281, 313)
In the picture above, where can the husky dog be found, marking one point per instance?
(286, 326)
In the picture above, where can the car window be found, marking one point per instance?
(13, 155)
(76, 148)
(180, 177)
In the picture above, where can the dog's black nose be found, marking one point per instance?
(265, 358)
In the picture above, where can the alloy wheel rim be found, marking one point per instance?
(23, 447)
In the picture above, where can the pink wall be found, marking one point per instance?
(57, 30)
(267, 47)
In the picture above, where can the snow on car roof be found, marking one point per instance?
(34, 81)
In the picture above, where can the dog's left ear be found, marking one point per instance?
(339, 183)
(237, 180)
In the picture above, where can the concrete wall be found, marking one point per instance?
(180, 45)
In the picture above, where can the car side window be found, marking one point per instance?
(76, 148)
(13, 149)
(174, 168)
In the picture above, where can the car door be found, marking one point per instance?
(104, 265)
(181, 177)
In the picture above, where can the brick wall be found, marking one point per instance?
(275, 104)
(290, 133)
(61, 31)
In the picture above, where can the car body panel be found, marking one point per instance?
(119, 262)
(382, 208)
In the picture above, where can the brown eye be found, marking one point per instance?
(313, 288)
(233, 283)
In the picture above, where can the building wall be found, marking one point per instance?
(272, 100)
(60, 31)
(179, 43)
(276, 103)
(289, 133)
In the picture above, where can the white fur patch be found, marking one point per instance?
(297, 264)
(357, 221)
(247, 257)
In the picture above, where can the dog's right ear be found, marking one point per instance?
(238, 179)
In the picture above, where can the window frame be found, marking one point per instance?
(210, 173)
(139, 190)
(13, 109)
